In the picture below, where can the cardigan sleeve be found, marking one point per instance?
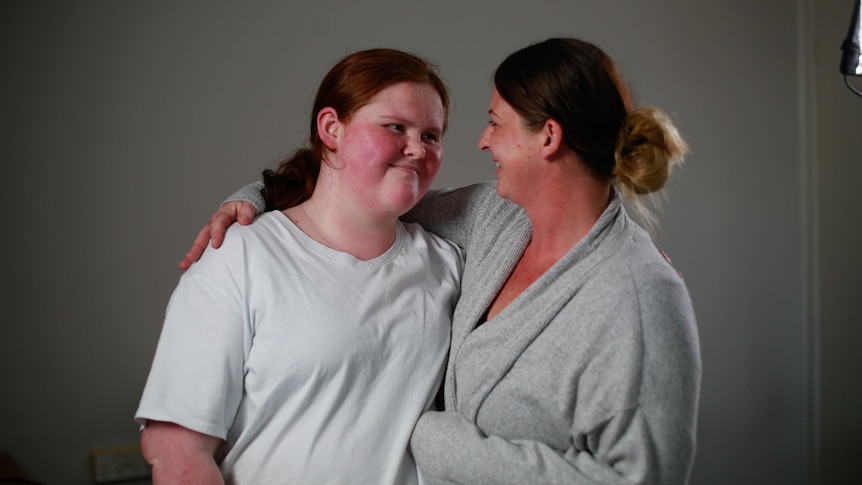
(448, 449)
(250, 193)
(453, 213)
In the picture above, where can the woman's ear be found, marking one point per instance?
(328, 127)
(552, 138)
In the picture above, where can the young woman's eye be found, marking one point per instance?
(431, 137)
(492, 124)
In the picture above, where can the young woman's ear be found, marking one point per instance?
(552, 140)
(328, 128)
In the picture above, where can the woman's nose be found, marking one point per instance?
(483, 138)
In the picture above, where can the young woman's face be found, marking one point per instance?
(390, 150)
(513, 148)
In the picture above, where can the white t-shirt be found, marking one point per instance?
(312, 365)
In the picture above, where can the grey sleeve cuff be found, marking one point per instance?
(250, 193)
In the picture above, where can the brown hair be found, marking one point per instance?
(578, 85)
(348, 86)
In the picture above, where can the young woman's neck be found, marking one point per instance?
(337, 224)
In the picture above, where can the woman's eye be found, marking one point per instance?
(492, 124)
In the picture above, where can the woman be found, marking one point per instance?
(574, 354)
(305, 350)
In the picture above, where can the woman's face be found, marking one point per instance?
(389, 152)
(513, 149)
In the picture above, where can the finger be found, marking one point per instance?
(197, 248)
(246, 213)
(218, 226)
(215, 229)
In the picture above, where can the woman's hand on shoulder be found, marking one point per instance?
(214, 231)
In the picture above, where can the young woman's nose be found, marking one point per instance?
(414, 148)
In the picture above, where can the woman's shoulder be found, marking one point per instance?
(263, 225)
(416, 236)
(473, 195)
(630, 265)
(241, 241)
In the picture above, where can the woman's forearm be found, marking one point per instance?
(180, 456)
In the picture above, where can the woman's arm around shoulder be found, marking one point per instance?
(240, 207)
(453, 213)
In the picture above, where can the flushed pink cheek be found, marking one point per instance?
(370, 158)
(433, 170)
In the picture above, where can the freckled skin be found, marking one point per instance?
(390, 151)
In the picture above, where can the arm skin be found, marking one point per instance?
(180, 456)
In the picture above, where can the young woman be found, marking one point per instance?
(306, 348)
(574, 356)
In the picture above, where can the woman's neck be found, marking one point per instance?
(328, 223)
(566, 210)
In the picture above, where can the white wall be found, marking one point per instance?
(124, 124)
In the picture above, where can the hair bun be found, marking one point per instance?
(648, 148)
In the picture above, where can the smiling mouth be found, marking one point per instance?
(408, 168)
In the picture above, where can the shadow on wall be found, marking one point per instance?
(11, 473)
